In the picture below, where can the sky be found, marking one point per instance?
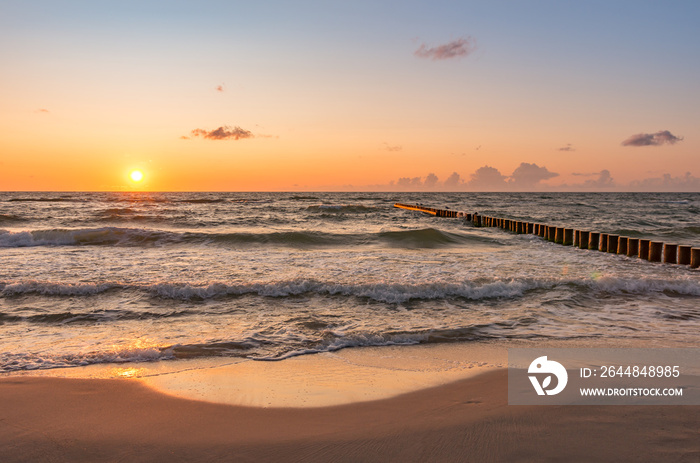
(337, 95)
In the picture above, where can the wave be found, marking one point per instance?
(118, 236)
(342, 208)
(85, 236)
(11, 218)
(392, 293)
(202, 201)
(10, 362)
(46, 200)
(430, 238)
(260, 349)
(99, 316)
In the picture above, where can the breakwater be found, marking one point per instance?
(652, 251)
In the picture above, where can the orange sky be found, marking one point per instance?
(340, 97)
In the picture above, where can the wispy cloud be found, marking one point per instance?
(388, 147)
(222, 133)
(42, 111)
(662, 137)
(454, 49)
(220, 88)
(568, 147)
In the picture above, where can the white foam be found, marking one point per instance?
(393, 293)
(38, 361)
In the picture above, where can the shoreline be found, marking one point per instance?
(346, 376)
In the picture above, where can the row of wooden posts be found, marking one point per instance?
(434, 211)
(653, 251)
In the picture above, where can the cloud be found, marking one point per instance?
(388, 147)
(568, 147)
(529, 175)
(666, 182)
(223, 133)
(662, 137)
(454, 49)
(220, 88)
(407, 182)
(42, 110)
(430, 181)
(604, 180)
(453, 182)
(487, 178)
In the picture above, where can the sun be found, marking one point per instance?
(136, 176)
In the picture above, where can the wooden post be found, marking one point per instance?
(568, 237)
(530, 228)
(633, 247)
(542, 230)
(559, 235)
(583, 238)
(655, 251)
(670, 253)
(644, 249)
(695, 258)
(594, 240)
(603, 242)
(612, 242)
(684, 255)
(622, 245)
(551, 233)
(577, 237)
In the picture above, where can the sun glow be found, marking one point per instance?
(136, 176)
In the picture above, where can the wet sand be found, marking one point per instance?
(73, 419)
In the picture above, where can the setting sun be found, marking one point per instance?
(136, 176)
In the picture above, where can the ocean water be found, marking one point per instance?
(91, 278)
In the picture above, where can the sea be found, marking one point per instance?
(91, 278)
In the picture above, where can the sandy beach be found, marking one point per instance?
(44, 418)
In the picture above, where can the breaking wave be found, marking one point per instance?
(392, 293)
(119, 236)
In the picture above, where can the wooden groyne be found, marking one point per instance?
(653, 251)
(433, 211)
